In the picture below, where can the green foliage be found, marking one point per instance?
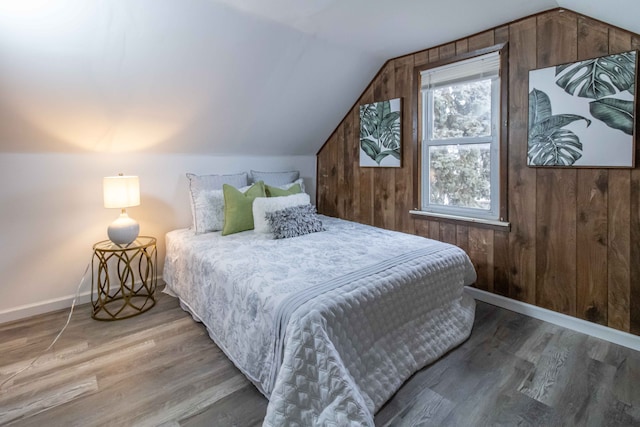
(379, 131)
(549, 144)
(462, 110)
(600, 78)
(616, 113)
(460, 175)
(539, 106)
(561, 147)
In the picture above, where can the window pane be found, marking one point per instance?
(460, 175)
(462, 110)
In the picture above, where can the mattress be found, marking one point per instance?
(328, 325)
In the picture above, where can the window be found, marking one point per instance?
(461, 138)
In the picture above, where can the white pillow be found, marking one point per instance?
(262, 205)
(207, 201)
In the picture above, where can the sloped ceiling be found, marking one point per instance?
(217, 76)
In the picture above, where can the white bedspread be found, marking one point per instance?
(348, 344)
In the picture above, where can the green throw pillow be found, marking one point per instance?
(279, 192)
(238, 213)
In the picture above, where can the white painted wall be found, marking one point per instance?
(173, 76)
(51, 213)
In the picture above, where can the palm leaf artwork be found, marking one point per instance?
(549, 143)
(380, 130)
(615, 113)
(602, 79)
(599, 77)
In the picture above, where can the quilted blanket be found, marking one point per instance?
(328, 326)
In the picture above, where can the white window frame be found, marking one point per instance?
(466, 71)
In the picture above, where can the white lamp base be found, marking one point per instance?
(123, 230)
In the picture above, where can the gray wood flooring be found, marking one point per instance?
(161, 368)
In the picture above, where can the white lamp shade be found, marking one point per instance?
(121, 191)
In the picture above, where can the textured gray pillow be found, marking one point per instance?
(294, 221)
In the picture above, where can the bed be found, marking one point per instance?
(327, 325)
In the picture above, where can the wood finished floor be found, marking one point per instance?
(161, 368)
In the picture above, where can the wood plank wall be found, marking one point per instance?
(574, 242)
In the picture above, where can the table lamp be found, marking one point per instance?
(121, 192)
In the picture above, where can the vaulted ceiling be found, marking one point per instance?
(218, 76)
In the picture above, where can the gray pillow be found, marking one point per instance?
(215, 182)
(207, 201)
(294, 221)
(275, 178)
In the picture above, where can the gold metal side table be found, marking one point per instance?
(123, 278)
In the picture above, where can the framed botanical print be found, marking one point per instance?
(380, 134)
(582, 114)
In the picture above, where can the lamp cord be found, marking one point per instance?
(73, 304)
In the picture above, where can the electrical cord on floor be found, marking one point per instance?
(73, 304)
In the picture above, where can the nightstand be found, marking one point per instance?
(123, 278)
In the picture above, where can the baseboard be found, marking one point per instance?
(598, 331)
(593, 329)
(42, 307)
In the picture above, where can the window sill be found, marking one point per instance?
(479, 222)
